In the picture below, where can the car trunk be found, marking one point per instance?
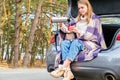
(101, 7)
(110, 32)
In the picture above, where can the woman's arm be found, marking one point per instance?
(64, 28)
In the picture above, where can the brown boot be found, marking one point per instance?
(68, 75)
(58, 72)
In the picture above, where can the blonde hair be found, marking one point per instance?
(89, 11)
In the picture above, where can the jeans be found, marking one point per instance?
(70, 49)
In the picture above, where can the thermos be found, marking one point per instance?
(59, 19)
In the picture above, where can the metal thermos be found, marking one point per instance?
(59, 19)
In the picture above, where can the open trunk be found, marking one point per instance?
(110, 32)
(101, 7)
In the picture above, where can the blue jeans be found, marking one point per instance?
(70, 49)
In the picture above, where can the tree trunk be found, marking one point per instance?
(11, 56)
(17, 31)
(27, 13)
(0, 12)
(32, 60)
(0, 32)
(26, 60)
(2, 48)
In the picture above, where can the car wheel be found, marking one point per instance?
(110, 77)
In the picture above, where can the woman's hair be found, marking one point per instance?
(89, 11)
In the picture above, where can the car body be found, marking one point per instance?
(106, 66)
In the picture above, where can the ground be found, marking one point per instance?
(38, 64)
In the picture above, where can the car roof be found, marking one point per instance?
(100, 7)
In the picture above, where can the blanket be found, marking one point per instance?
(93, 40)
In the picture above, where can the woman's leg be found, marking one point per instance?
(75, 48)
(68, 75)
(65, 46)
(69, 52)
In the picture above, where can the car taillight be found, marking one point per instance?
(118, 36)
(52, 39)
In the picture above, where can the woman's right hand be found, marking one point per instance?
(70, 28)
(74, 29)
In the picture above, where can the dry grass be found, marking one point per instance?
(3, 65)
(37, 64)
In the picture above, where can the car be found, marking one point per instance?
(106, 66)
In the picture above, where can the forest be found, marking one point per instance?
(25, 31)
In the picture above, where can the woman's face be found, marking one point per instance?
(82, 9)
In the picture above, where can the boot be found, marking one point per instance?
(58, 72)
(68, 75)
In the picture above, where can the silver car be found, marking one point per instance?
(106, 66)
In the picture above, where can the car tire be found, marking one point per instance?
(109, 77)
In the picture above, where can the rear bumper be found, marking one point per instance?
(91, 72)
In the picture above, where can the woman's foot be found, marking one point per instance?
(68, 75)
(58, 72)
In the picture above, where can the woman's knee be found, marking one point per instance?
(65, 43)
(77, 42)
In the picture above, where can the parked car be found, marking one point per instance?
(106, 66)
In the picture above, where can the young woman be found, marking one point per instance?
(88, 43)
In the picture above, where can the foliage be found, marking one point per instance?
(42, 33)
(62, 1)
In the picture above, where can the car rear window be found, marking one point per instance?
(110, 20)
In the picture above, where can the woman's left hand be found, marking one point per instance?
(74, 29)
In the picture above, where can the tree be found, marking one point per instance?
(31, 37)
(26, 31)
(17, 31)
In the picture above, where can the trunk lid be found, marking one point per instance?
(100, 7)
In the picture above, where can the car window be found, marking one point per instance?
(110, 20)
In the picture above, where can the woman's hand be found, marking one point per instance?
(74, 29)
